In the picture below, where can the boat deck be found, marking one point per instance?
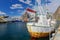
(57, 34)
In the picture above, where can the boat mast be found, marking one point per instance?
(39, 6)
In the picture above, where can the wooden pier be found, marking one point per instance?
(57, 34)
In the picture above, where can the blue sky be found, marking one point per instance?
(17, 7)
(53, 5)
(14, 7)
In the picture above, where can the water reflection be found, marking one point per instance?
(45, 38)
(3, 28)
(15, 31)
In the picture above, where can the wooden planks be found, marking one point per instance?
(57, 36)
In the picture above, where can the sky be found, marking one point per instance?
(17, 7)
(53, 5)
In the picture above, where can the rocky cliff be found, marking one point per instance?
(56, 15)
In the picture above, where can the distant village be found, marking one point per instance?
(24, 17)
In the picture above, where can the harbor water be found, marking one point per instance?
(16, 31)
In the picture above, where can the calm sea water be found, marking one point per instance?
(15, 31)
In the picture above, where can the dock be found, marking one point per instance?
(56, 34)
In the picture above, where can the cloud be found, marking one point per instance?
(2, 13)
(21, 0)
(26, 2)
(38, 1)
(19, 10)
(16, 6)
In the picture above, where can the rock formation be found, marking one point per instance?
(56, 15)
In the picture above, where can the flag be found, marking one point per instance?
(30, 10)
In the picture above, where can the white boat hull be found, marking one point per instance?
(39, 31)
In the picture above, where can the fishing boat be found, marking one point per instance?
(43, 26)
